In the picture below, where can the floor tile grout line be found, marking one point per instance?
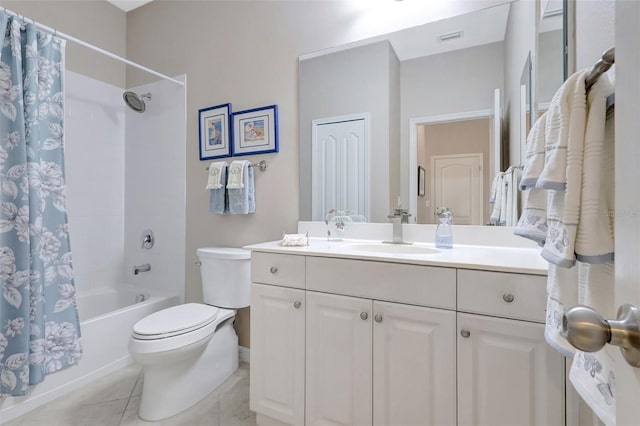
(133, 389)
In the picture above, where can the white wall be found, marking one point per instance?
(595, 30)
(155, 188)
(94, 160)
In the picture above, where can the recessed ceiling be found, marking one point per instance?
(128, 5)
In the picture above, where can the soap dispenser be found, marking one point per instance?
(444, 236)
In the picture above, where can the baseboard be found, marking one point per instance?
(244, 354)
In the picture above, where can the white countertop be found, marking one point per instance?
(501, 259)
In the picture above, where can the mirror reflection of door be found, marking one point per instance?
(457, 186)
(466, 143)
(340, 177)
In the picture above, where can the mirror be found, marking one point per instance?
(526, 105)
(551, 70)
(381, 121)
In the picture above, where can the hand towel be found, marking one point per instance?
(513, 196)
(594, 237)
(241, 194)
(298, 240)
(533, 220)
(236, 174)
(564, 126)
(214, 178)
(217, 191)
(498, 182)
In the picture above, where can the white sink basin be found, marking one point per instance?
(390, 248)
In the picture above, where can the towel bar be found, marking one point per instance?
(262, 165)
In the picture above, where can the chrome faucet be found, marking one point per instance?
(398, 217)
(141, 268)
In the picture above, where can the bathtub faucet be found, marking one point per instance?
(141, 268)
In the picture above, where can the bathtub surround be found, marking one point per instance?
(40, 327)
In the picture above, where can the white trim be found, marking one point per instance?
(366, 116)
(244, 354)
(413, 146)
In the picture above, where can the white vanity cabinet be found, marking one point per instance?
(406, 353)
(383, 343)
(507, 374)
(277, 353)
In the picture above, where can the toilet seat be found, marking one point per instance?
(197, 325)
(174, 321)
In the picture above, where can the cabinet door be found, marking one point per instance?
(338, 380)
(507, 374)
(277, 353)
(414, 365)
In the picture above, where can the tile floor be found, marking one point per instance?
(113, 401)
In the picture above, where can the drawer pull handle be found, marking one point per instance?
(465, 333)
(508, 297)
(297, 304)
(364, 316)
(273, 269)
(378, 318)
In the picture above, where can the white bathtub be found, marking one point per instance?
(106, 320)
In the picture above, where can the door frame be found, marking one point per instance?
(432, 175)
(366, 116)
(413, 146)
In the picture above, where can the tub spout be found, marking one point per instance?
(141, 268)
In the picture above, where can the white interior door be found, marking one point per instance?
(339, 176)
(457, 184)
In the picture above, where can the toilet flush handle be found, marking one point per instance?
(198, 263)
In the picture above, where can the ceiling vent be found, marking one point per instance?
(450, 36)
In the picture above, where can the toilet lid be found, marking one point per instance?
(175, 320)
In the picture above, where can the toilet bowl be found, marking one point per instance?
(187, 351)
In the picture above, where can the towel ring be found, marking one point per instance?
(262, 165)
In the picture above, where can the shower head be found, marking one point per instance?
(135, 101)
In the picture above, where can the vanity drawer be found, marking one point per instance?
(393, 282)
(278, 269)
(501, 294)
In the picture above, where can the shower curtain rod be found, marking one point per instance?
(67, 37)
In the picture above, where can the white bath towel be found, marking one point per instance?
(579, 226)
(214, 180)
(236, 174)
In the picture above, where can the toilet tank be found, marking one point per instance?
(226, 276)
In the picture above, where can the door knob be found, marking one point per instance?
(587, 330)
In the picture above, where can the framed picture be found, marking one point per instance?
(255, 131)
(421, 179)
(213, 124)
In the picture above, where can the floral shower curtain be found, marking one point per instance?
(39, 327)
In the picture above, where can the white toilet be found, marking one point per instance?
(187, 351)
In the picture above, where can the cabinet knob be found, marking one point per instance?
(273, 269)
(378, 318)
(508, 297)
(297, 304)
(364, 315)
(465, 333)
